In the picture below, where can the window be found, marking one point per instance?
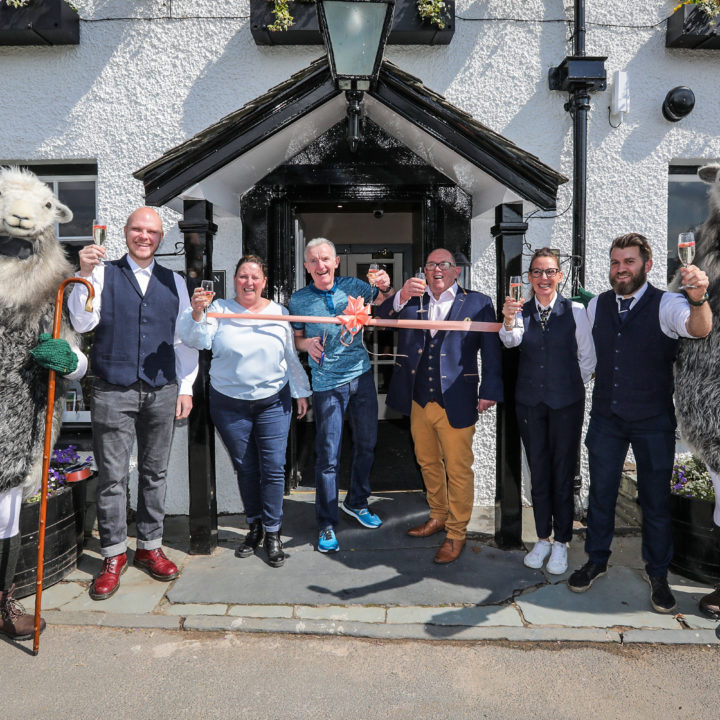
(687, 208)
(75, 186)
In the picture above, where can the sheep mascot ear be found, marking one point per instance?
(63, 214)
(709, 173)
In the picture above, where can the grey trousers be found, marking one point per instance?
(119, 415)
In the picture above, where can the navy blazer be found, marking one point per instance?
(459, 376)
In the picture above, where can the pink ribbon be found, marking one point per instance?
(357, 316)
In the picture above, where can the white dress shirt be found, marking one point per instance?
(186, 358)
(673, 314)
(436, 309)
(583, 337)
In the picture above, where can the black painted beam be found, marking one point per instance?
(509, 232)
(198, 229)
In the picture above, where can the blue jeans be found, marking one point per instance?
(653, 443)
(255, 434)
(359, 400)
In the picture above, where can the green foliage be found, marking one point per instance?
(691, 479)
(432, 10)
(17, 3)
(283, 18)
(711, 8)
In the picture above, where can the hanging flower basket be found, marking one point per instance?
(408, 27)
(690, 27)
(39, 22)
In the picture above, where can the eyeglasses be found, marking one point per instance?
(444, 265)
(549, 273)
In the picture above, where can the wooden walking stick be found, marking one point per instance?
(48, 449)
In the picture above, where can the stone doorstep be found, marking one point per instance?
(399, 631)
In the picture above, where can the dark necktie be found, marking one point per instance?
(544, 313)
(624, 308)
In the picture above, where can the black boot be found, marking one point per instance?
(252, 540)
(274, 549)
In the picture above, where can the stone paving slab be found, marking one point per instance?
(478, 616)
(672, 637)
(261, 611)
(391, 576)
(620, 598)
(352, 613)
(115, 620)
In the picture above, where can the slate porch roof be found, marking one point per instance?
(211, 149)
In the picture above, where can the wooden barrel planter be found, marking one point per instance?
(64, 537)
(696, 539)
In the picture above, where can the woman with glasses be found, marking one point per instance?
(253, 374)
(557, 358)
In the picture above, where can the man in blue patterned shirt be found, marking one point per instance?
(342, 384)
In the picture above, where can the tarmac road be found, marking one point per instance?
(86, 672)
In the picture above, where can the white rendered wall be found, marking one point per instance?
(134, 88)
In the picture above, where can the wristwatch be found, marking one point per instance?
(698, 303)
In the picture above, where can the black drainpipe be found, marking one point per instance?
(579, 75)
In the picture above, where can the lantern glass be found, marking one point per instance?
(355, 30)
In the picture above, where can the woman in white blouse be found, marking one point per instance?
(557, 358)
(253, 374)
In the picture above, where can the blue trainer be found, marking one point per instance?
(327, 542)
(364, 516)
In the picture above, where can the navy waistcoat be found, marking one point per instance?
(548, 369)
(634, 371)
(135, 337)
(427, 379)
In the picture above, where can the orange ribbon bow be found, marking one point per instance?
(355, 317)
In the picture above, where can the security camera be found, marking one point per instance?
(679, 102)
(378, 213)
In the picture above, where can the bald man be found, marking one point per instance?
(143, 383)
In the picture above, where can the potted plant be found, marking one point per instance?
(694, 24)
(64, 526)
(695, 537)
(294, 22)
(38, 22)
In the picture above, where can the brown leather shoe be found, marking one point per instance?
(157, 563)
(14, 621)
(449, 551)
(428, 528)
(710, 604)
(108, 581)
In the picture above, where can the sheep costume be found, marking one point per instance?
(32, 266)
(697, 367)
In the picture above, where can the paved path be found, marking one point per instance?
(382, 584)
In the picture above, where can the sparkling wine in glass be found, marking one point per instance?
(686, 251)
(99, 235)
(208, 287)
(516, 288)
(421, 276)
(372, 273)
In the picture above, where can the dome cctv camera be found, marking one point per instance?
(378, 212)
(679, 102)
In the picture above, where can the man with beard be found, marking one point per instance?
(635, 328)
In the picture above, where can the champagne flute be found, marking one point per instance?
(373, 270)
(515, 293)
(686, 251)
(208, 287)
(99, 235)
(421, 276)
(372, 273)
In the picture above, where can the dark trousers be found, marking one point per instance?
(653, 443)
(119, 416)
(255, 433)
(552, 438)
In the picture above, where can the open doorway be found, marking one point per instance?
(386, 233)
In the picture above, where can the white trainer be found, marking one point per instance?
(558, 562)
(536, 557)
